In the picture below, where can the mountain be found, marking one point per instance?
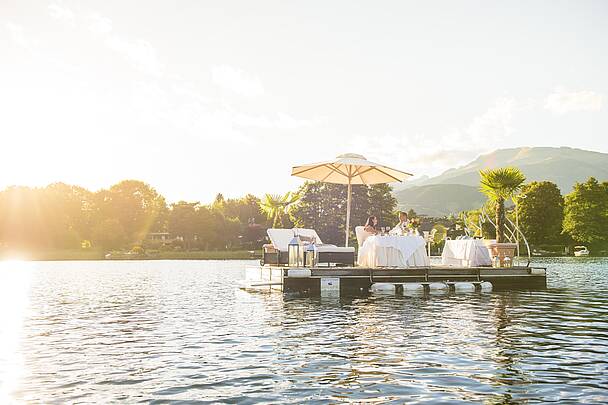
(439, 199)
(440, 195)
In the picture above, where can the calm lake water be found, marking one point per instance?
(171, 331)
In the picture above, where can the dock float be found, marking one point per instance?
(324, 280)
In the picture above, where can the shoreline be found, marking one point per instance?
(92, 255)
(95, 255)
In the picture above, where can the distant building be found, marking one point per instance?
(159, 236)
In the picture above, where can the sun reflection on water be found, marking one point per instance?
(15, 277)
(168, 331)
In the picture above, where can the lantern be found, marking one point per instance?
(311, 257)
(295, 252)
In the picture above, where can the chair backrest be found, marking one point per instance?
(280, 238)
(308, 233)
(361, 234)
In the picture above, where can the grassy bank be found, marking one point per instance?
(193, 255)
(93, 254)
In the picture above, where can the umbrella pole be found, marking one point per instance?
(348, 193)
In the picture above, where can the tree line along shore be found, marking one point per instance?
(132, 220)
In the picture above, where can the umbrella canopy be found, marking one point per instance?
(349, 169)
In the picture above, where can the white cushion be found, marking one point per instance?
(309, 233)
(280, 238)
(334, 249)
(299, 273)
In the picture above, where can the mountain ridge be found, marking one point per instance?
(563, 166)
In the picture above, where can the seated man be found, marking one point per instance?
(402, 227)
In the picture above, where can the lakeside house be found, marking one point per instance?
(161, 237)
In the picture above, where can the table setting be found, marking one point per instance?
(466, 253)
(393, 250)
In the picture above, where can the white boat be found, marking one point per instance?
(581, 251)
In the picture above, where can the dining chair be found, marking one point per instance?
(361, 234)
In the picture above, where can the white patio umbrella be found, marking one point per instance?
(349, 169)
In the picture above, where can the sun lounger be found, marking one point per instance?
(276, 252)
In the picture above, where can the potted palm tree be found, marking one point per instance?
(501, 185)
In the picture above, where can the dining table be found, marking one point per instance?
(466, 253)
(393, 251)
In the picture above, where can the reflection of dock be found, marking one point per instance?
(357, 280)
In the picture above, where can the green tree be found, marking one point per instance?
(68, 211)
(382, 204)
(184, 221)
(500, 185)
(135, 205)
(207, 227)
(225, 231)
(22, 221)
(109, 234)
(219, 202)
(440, 233)
(246, 209)
(57, 216)
(540, 209)
(322, 207)
(586, 212)
(276, 207)
(477, 224)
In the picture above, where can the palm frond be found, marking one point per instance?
(501, 183)
(291, 198)
(269, 204)
(276, 206)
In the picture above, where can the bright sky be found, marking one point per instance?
(200, 97)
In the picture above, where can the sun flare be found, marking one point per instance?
(15, 278)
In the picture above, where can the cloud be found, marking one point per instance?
(278, 121)
(16, 33)
(432, 155)
(173, 104)
(185, 109)
(99, 24)
(141, 54)
(237, 80)
(61, 12)
(414, 153)
(562, 101)
(39, 53)
(138, 52)
(492, 125)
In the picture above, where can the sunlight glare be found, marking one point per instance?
(15, 277)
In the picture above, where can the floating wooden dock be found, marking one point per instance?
(359, 280)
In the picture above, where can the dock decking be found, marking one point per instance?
(357, 280)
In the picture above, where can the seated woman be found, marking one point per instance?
(370, 225)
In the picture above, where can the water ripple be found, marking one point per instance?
(179, 331)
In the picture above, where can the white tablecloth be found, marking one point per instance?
(466, 253)
(393, 251)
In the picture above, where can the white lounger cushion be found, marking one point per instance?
(334, 249)
(280, 238)
(309, 233)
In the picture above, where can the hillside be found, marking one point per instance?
(563, 166)
(439, 199)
